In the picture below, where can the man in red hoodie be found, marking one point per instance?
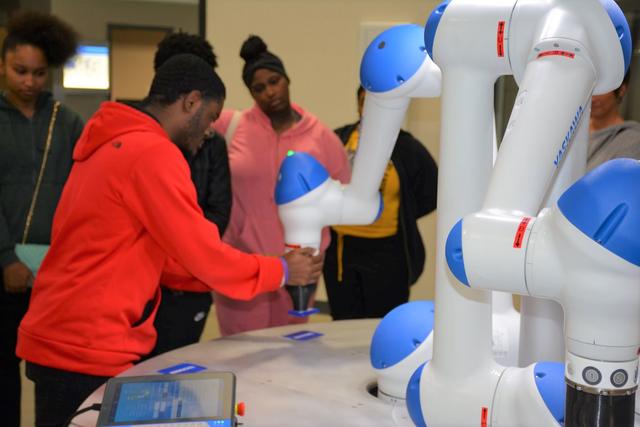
(129, 214)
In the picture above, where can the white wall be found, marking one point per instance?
(319, 43)
(91, 17)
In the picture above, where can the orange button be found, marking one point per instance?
(240, 409)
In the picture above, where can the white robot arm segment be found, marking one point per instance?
(587, 22)
(395, 68)
(553, 98)
(540, 131)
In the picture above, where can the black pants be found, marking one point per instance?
(59, 393)
(374, 278)
(180, 319)
(12, 309)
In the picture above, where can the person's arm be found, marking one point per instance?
(7, 245)
(161, 196)
(15, 275)
(175, 276)
(217, 205)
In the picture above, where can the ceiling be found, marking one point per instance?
(192, 2)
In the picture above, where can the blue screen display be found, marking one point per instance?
(168, 400)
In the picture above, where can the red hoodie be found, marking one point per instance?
(128, 210)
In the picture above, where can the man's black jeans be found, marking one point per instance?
(59, 393)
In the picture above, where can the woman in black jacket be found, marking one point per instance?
(368, 269)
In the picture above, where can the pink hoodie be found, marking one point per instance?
(255, 155)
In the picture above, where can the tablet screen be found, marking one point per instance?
(167, 400)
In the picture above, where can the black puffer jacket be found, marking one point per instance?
(211, 177)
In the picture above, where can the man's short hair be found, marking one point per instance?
(182, 74)
(177, 43)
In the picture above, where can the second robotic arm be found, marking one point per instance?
(583, 252)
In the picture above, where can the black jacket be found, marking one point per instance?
(418, 174)
(211, 177)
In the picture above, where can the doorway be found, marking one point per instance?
(131, 60)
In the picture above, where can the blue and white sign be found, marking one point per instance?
(303, 335)
(182, 368)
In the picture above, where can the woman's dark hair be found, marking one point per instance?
(180, 42)
(54, 37)
(255, 54)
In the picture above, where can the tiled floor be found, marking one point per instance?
(210, 332)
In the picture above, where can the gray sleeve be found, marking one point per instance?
(619, 143)
(625, 144)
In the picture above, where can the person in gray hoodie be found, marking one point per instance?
(37, 136)
(611, 136)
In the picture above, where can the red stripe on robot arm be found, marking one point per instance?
(500, 39)
(522, 228)
(556, 53)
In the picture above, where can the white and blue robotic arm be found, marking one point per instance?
(584, 251)
(395, 68)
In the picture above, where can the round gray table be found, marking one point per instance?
(320, 382)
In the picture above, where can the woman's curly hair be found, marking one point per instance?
(54, 37)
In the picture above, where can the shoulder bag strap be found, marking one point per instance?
(36, 190)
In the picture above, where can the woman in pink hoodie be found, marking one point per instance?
(261, 138)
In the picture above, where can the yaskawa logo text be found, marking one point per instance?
(568, 136)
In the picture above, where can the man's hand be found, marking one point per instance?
(304, 267)
(17, 278)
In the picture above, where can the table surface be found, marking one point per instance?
(317, 382)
